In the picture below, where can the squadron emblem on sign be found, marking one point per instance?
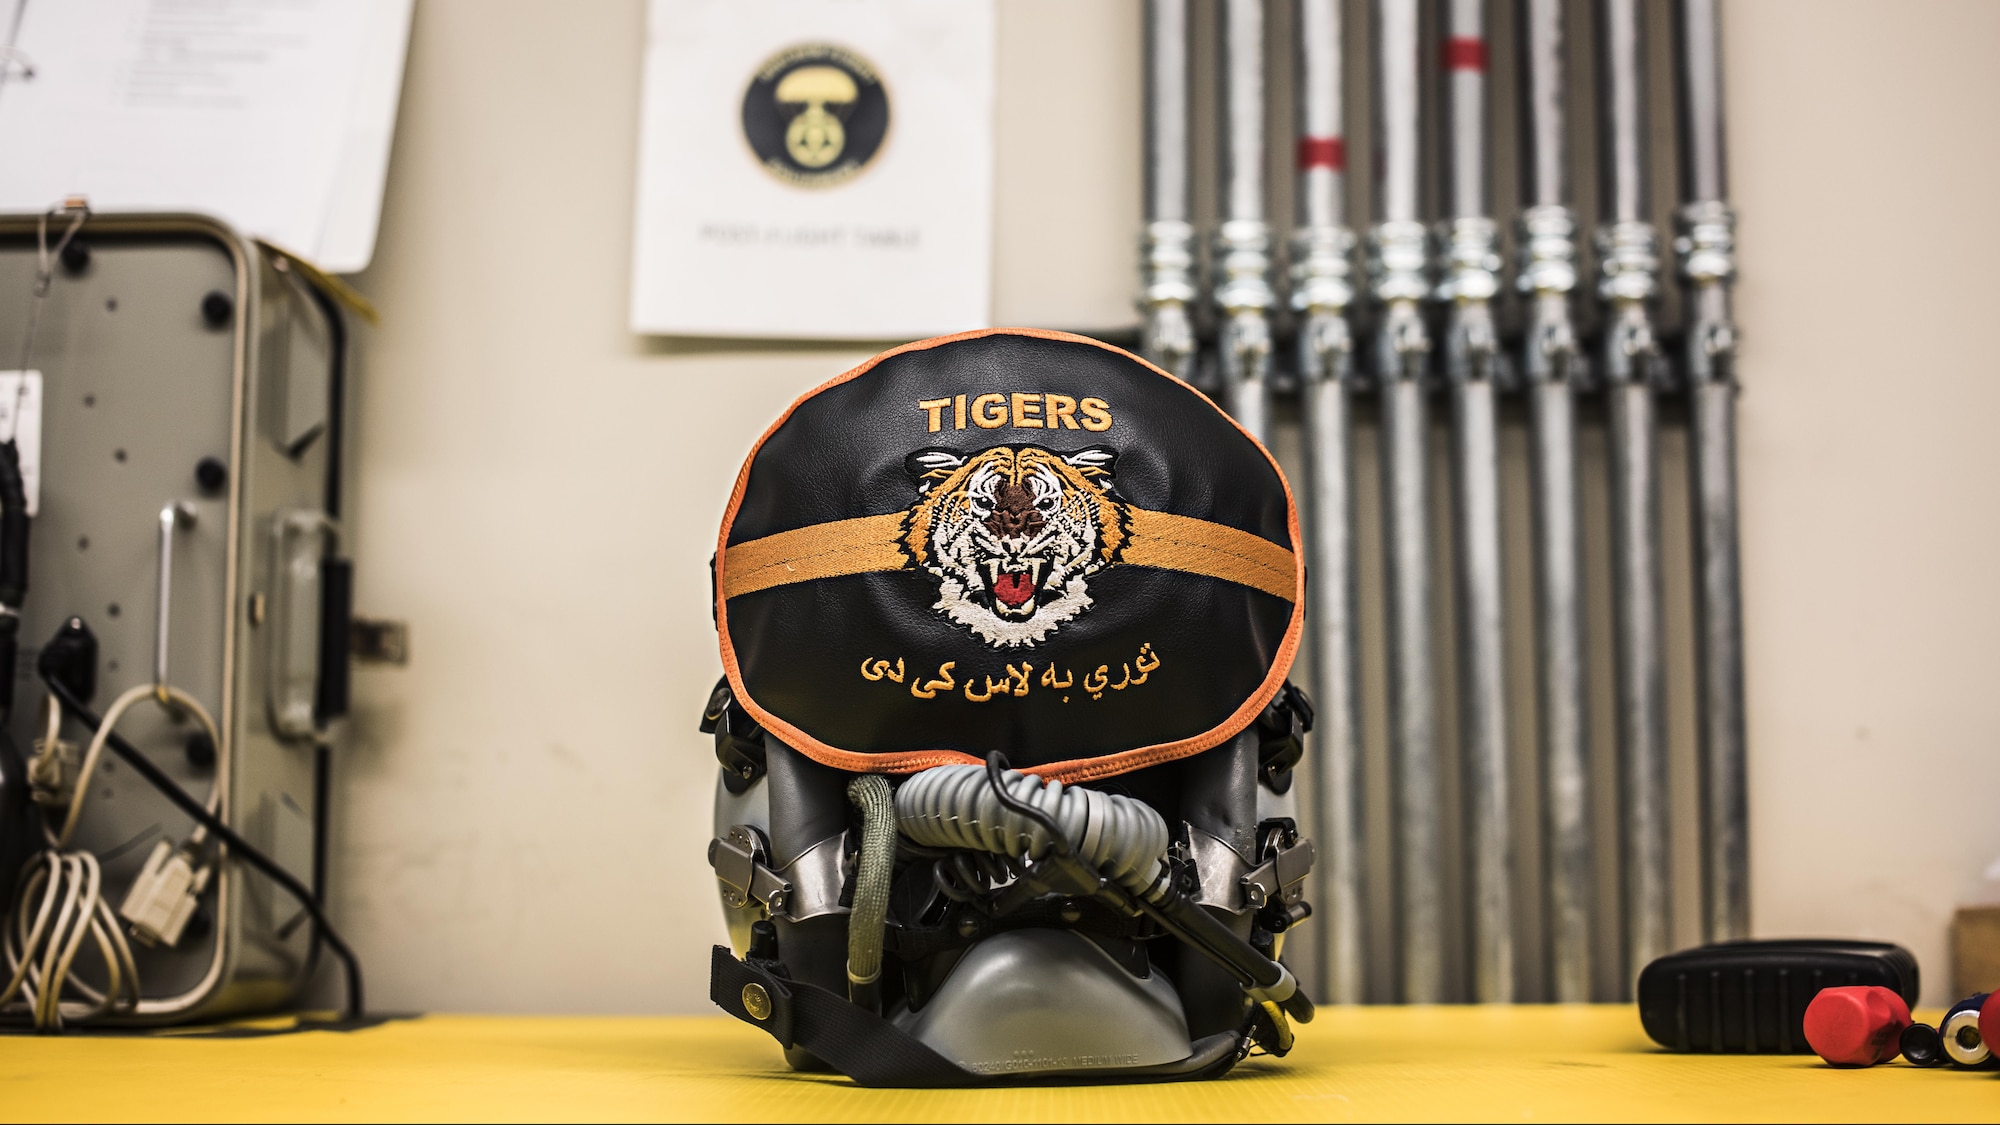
(815, 115)
(1013, 534)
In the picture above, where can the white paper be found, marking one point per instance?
(28, 434)
(903, 248)
(273, 115)
(349, 239)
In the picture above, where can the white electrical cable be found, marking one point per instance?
(169, 697)
(41, 954)
(60, 904)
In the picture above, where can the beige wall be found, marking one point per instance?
(523, 810)
(1866, 150)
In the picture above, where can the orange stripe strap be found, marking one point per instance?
(824, 550)
(1169, 542)
(872, 544)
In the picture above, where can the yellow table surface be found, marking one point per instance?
(1370, 1064)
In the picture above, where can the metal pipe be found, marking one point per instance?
(1320, 119)
(1399, 279)
(1628, 253)
(1167, 249)
(1243, 242)
(1547, 236)
(1543, 40)
(1469, 246)
(1707, 251)
(1322, 290)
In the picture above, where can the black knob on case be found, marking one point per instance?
(217, 307)
(211, 474)
(200, 750)
(76, 255)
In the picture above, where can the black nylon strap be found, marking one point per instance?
(854, 1041)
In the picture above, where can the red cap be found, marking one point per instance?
(1858, 1025)
(1989, 1020)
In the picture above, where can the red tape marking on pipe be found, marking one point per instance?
(1463, 52)
(1322, 152)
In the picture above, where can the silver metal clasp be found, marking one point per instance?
(738, 858)
(1282, 875)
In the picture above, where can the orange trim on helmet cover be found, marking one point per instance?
(1075, 770)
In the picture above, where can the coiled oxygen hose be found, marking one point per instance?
(956, 807)
(1013, 814)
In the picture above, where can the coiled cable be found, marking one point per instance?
(60, 901)
(958, 807)
(227, 836)
(1099, 835)
(167, 696)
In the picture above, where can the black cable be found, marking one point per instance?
(336, 436)
(237, 844)
(996, 763)
(1179, 915)
(321, 779)
(331, 693)
(336, 393)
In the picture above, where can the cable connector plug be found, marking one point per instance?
(164, 895)
(52, 770)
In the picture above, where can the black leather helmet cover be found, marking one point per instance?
(1007, 540)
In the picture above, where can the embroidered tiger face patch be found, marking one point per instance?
(1013, 534)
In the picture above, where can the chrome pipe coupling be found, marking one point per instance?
(1166, 263)
(1325, 345)
(1246, 354)
(1168, 338)
(1706, 247)
(1402, 343)
(1628, 257)
(1167, 293)
(1631, 351)
(1469, 251)
(1398, 261)
(1243, 266)
(1706, 243)
(1548, 249)
(1471, 344)
(1552, 355)
(1322, 269)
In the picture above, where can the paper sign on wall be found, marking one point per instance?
(818, 169)
(275, 117)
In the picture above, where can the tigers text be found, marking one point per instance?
(1025, 411)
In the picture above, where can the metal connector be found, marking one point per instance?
(1167, 293)
(1398, 262)
(164, 896)
(1547, 237)
(1280, 878)
(1706, 242)
(1323, 270)
(1469, 251)
(1244, 294)
(1628, 262)
(1706, 247)
(738, 859)
(379, 640)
